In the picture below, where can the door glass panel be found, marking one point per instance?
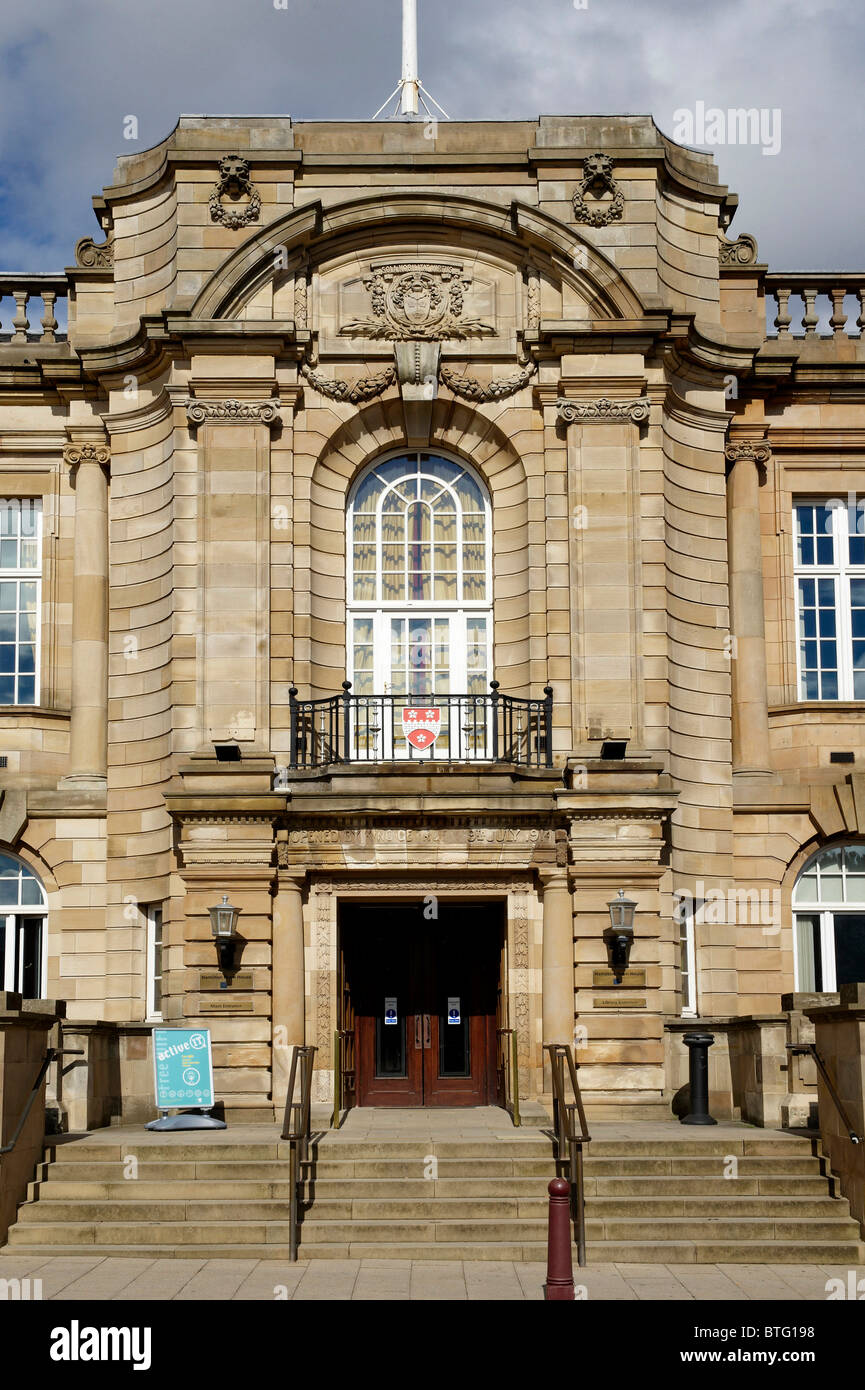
(849, 948)
(29, 961)
(454, 1047)
(390, 1059)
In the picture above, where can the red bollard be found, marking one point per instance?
(560, 1269)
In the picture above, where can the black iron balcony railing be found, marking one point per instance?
(350, 728)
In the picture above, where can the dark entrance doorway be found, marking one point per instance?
(423, 998)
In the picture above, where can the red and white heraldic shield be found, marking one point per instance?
(421, 726)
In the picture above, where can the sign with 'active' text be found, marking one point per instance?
(183, 1067)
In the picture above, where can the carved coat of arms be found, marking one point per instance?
(423, 300)
(421, 726)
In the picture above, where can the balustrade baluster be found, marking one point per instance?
(860, 321)
(810, 318)
(20, 323)
(49, 322)
(839, 318)
(783, 318)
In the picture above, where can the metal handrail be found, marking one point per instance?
(565, 1116)
(810, 1050)
(295, 1128)
(511, 1073)
(52, 1054)
(351, 728)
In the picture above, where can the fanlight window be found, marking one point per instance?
(419, 533)
(22, 928)
(829, 915)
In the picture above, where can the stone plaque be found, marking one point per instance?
(216, 980)
(632, 979)
(225, 1006)
(627, 1003)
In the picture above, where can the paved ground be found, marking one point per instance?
(96, 1278)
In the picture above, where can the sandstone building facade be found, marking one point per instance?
(348, 422)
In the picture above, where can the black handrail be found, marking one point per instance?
(295, 1128)
(810, 1050)
(565, 1116)
(52, 1054)
(351, 728)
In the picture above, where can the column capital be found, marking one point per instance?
(554, 877)
(603, 410)
(759, 450)
(86, 451)
(232, 411)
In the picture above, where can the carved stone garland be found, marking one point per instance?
(472, 390)
(234, 183)
(363, 389)
(597, 179)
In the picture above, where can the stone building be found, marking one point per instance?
(418, 536)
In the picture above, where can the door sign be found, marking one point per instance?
(390, 1012)
(453, 1009)
(183, 1068)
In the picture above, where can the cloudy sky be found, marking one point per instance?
(71, 70)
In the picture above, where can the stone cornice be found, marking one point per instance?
(603, 410)
(233, 412)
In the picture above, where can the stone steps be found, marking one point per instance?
(647, 1200)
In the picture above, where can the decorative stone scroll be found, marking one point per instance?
(422, 300)
(363, 389)
(94, 255)
(742, 251)
(234, 183)
(604, 409)
(748, 449)
(472, 390)
(86, 453)
(598, 180)
(233, 412)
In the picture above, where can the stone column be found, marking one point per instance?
(558, 958)
(750, 700)
(287, 981)
(88, 750)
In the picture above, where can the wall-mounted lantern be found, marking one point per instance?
(619, 935)
(223, 924)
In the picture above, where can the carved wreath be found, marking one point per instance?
(598, 179)
(234, 183)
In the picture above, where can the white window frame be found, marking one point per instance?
(153, 916)
(456, 611)
(11, 962)
(827, 912)
(841, 571)
(33, 576)
(688, 911)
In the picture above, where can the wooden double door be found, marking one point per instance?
(424, 998)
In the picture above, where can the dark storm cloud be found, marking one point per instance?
(71, 70)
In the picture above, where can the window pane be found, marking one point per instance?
(8, 597)
(27, 658)
(446, 587)
(849, 948)
(9, 555)
(26, 690)
(808, 953)
(445, 526)
(7, 690)
(806, 890)
(825, 550)
(854, 859)
(29, 555)
(474, 586)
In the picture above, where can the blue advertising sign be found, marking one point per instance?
(183, 1067)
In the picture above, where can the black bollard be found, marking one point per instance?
(698, 1045)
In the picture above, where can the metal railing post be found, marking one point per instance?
(292, 725)
(337, 1080)
(494, 686)
(548, 725)
(346, 722)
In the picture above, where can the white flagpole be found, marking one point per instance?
(409, 58)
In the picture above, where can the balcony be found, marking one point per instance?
(493, 728)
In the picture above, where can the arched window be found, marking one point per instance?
(22, 929)
(829, 914)
(419, 579)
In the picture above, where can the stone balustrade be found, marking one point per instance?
(26, 300)
(815, 304)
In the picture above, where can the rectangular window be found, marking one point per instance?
(20, 599)
(830, 599)
(153, 917)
